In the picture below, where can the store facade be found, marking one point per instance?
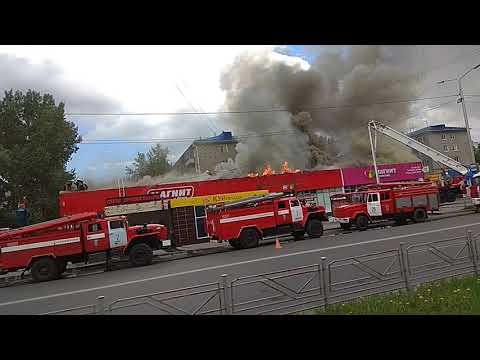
(355, 177)
(181, 206)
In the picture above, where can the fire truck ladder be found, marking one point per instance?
(413, 144)
(251, 200)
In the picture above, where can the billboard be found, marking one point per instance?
(387, 173)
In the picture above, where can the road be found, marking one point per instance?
(71, 292)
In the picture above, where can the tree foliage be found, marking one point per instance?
(153, 163)
(36, 142)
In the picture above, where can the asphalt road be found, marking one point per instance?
(40, 298)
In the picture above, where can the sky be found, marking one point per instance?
(181, 78)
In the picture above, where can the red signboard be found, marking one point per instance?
(80, 201)
(387, 173)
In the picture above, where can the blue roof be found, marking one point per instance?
(225, 136)
(437, 128)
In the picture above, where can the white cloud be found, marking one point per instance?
(144, 79)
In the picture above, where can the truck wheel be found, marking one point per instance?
(345, 226)
(419, 215)
(451, 196)
(140, 255)
(314, 228)
(361, 222)
(298, 235)
(235, 243)
(249, 239)
(44, 269)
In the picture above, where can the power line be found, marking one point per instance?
(189, 103)
(319, 108)
(239, 137)
(180, 140)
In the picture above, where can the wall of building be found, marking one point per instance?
(186, 163)
(451, 143)
(210, 155)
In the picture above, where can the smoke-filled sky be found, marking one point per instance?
(179, 78)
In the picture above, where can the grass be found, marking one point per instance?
(453, 296)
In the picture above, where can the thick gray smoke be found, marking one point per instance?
(322, 128)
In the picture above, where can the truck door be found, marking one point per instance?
(96, 237)
(117, 233)
(282, 213)
(374, 207)
(297, 211)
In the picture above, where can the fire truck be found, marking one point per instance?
(394, 201)
(244, 223)
(46, 248)
(448, 192)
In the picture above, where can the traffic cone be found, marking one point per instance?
(277, 244)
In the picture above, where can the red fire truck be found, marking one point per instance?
(244, 223)
(394, 201)
(46, 248)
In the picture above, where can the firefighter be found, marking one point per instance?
(68, 186)
(108, 260)
(81, 186)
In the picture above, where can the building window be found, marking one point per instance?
(455, 147)
(456, 158)
(444, 136)
(445, 148)
(200, 221)
(452, 136)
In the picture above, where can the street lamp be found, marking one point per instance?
(461, 100)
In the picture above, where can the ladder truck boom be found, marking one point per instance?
(467, 173)
(418, 146)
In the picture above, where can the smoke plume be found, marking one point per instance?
(321, 126)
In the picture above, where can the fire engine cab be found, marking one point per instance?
(393, 201)
(244, 223)
(46, 248)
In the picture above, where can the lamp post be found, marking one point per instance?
(461, 100)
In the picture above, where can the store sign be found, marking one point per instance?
(135, 208)
(159, 194)
(393, 172)
(173, 192)
(215, 199)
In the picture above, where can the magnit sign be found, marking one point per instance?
(153, 195)
(172, 193)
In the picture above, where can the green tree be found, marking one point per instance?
(36, 142)
(153, 163)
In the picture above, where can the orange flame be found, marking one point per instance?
(285, 168)
(268, 171)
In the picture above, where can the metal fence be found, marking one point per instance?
(308, 287)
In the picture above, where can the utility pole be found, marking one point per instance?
(462, 101)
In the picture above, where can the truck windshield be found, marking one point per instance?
(357, 198)
(347, 199)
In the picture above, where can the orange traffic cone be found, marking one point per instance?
(277, 244)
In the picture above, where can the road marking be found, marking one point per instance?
(230, 265)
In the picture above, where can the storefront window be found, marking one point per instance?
(200, 222)
(323, 198)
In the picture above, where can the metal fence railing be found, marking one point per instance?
(308, 287)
